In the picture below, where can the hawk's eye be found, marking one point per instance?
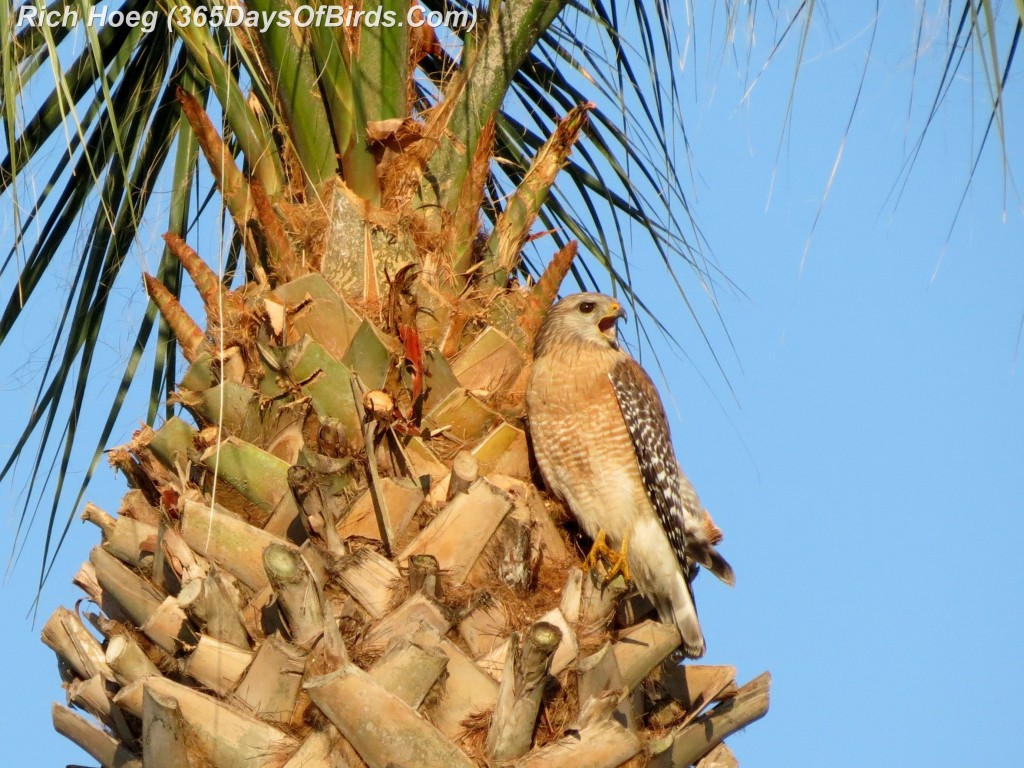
(587, 307)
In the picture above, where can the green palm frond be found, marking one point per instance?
(293, 109)
(977, 29)
(112, 114)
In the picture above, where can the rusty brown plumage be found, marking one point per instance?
(603, 445)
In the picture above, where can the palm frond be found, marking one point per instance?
(294, 110)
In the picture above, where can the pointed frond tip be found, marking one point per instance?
(246, 199)
(185, 329)
(546, 289)
(210, 288)
(513, 226)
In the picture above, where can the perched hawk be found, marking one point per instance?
(602, 442)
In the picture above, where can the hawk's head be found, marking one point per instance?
(583, 318)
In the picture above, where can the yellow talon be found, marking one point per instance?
(597, 551)
(616, 559)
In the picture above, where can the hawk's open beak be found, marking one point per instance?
(607, 324)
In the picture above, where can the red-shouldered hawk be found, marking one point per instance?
(602, 442)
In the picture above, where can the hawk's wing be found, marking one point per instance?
(681, 516)
(648, 429)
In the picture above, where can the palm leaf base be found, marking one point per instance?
(347, 561)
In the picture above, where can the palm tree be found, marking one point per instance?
(334, 547)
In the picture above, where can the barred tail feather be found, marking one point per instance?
(679, 609)
(708, 557)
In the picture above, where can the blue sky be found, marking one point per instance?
(864, 454)
(868, 473)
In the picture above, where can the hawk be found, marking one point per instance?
(602, 442)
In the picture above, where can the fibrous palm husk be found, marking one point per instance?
(346, 560)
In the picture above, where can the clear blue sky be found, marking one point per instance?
(867, 465)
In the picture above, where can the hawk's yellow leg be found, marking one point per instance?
(616, 558)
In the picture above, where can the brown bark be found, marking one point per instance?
(643, 647)
(168, 627)
(514, 556)
(368, 576)
(468, 690)
(93, 514)
(320, 509)
(546, 289)
(465, 471)
(383, 728)
(460, 532)
(522, 688)
(325, 749)
(597, 606)
(213, 603)
(228, 541)
(271, 683)
(180, 559)
(402, 499)
(485, 628)
(164, 733)
(425, 576)
(229, 738)
(217, 665)
(130, 541)
(598, 673)
(694, 686)
(92, 696)
(209, 286)
(247, 202)
(719, 757)
(74, 645)
(381, 509)
(127, 660)
(404, 620)
(600, 745)
(409, 671)
(103, 747)
(710, 729)
(298, 596)
(138, 599)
